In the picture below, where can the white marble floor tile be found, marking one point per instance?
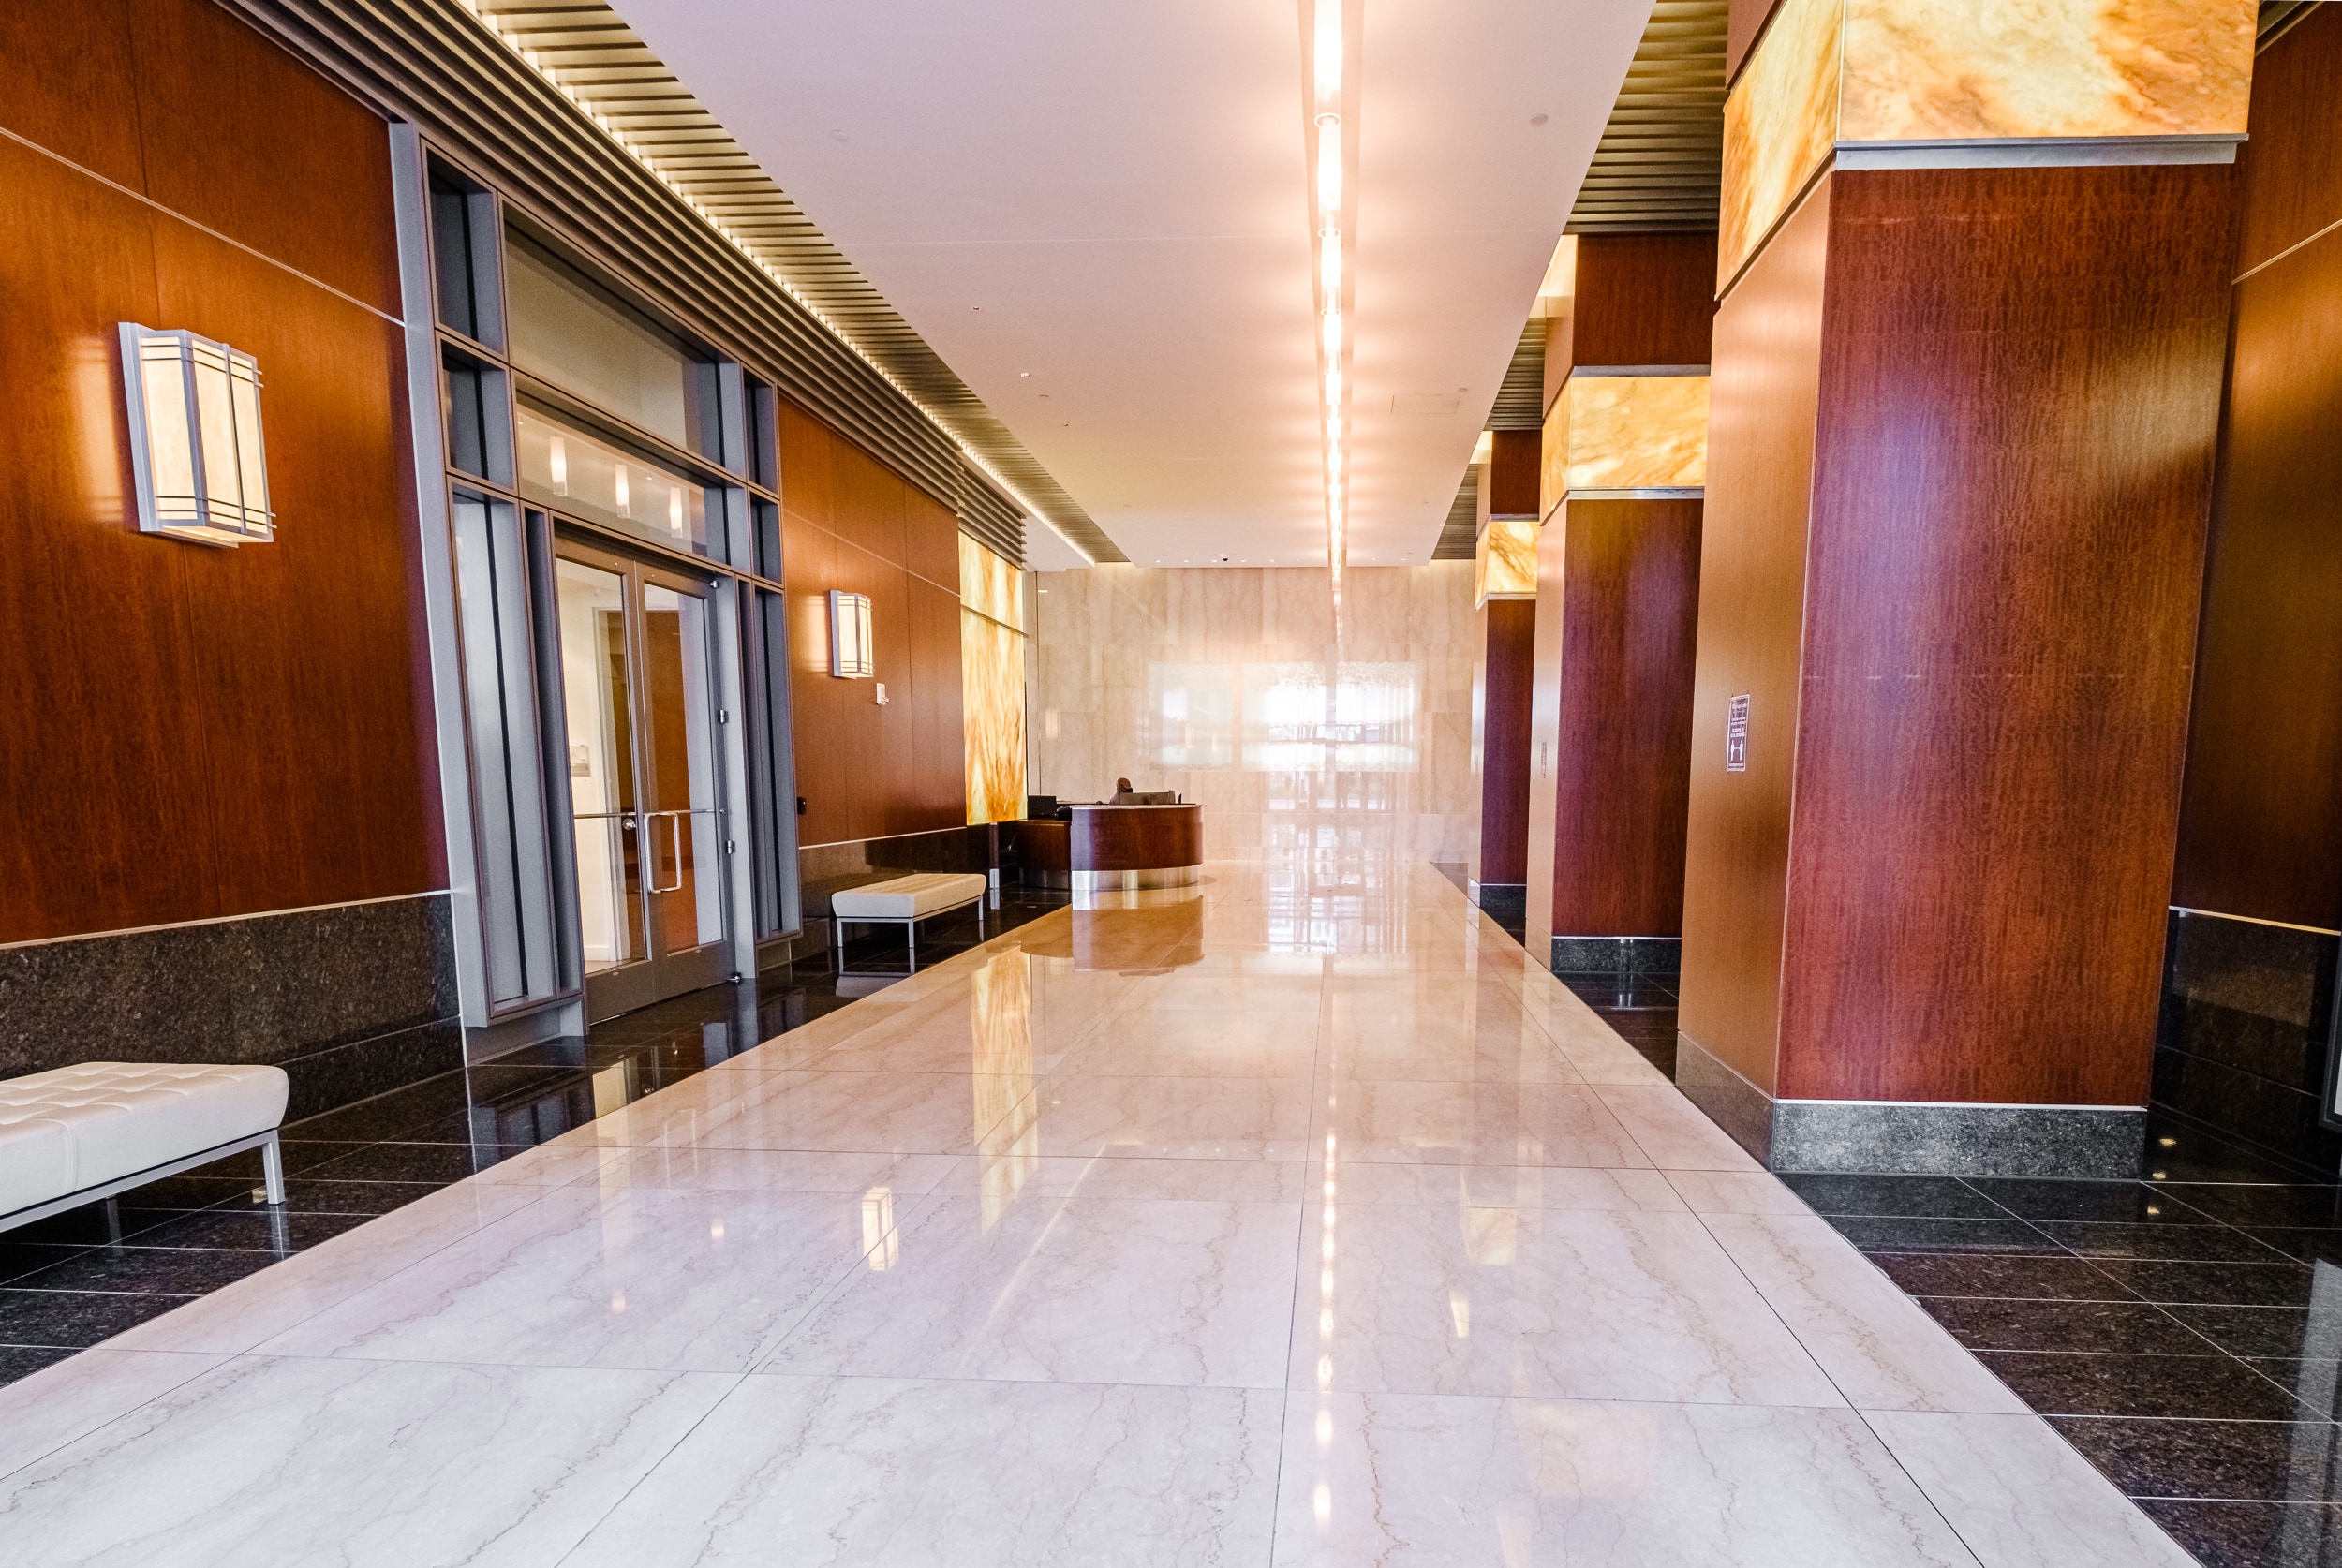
(1068, 1290)
(1675, 1134)
(1216, 1118)
(649, 1277)
(1409, 1122)
(1557, 1303)
(1012, 1171)
(693, 1168)
(827, 1472)
(1404, 1481)
(546, 1165)
(2020, 1497)
(1735, 1192)
(813, 1109)
(259, 1305)
(1878, 1345)
(266, 1460)
(41, 1413)
(1494, 1186)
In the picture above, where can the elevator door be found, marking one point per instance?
(639, 689)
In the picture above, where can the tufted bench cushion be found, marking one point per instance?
(79, 1127)
(913, 897)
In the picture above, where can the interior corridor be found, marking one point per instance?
(1298, 1218)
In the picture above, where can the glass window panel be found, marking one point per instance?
(586, 477)
(568, 332)
(601, 700)
(680, 778)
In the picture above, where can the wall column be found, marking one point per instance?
(1503, 585)
(1617, 597)
(1966, 387)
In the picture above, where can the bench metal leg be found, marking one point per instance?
(272, 1170)
(911, 935)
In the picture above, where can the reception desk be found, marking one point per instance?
(1110, 848)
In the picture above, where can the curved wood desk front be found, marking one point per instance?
(1114, 848)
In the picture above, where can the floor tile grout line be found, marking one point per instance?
(1320, 1126)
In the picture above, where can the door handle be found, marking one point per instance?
(674, 842)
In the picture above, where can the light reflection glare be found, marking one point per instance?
(880, 1243)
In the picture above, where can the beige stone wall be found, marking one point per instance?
(1225, 683)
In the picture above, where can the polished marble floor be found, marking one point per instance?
(75, 1280)
(1298, 1218)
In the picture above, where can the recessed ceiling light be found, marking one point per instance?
(1537, 119)
(1020, 373)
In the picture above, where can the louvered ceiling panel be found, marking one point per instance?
(1660, 165)
(599, 63)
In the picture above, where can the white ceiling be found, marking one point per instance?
(1098, 215)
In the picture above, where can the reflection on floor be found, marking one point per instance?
(1299, 1216)
(80, 1278)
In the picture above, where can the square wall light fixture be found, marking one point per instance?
(195, 438)
(852, 649)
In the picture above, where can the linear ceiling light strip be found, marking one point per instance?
(1331, 30)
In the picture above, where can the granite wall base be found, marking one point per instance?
(1501, 898)
(1656, 958)
(351, 1000)
(1891, 1138)
(2242, 1046)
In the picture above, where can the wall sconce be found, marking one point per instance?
(852, 649)
(195, 438)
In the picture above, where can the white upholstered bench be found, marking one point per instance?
(76, 1134)
(906, 900)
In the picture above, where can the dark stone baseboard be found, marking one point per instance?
(1624, 957)
(350, 1000)
(1501, 898)
(1890, 1138)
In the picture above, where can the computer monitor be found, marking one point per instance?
(1040, 808)
(1154, 797)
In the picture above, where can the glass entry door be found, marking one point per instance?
(639, 688)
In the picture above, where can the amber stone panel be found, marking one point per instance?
(2261, 826)
(2292, 164)
(2017, 426)
(1764, 396)
(1630, 608)
(1644, 300)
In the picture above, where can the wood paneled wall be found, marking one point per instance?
(1505, 640)
(1514, 458)
(1997, 568)
(2261, 829)
(849, 522)
(1643, 300)
(1629, 612)
(191, 733)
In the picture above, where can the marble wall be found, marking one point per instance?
(1228, 684)
(1830, 72)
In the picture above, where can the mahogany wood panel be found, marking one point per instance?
(2292, 164)
(1514, 459)
(2260, 823)
(1046, 846)
(869, 771)
(2020, 385)
(1644, 298)
(62, 62)
(1745, 23)
(1630, 610)
(1764, 395)
(100, 715)
(245, 139)
(1137, 838)
(1509, 628)
(930, 539)
(194, 732)
(313, 715)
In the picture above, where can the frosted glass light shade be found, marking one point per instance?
(852, 646)
(197, 455)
